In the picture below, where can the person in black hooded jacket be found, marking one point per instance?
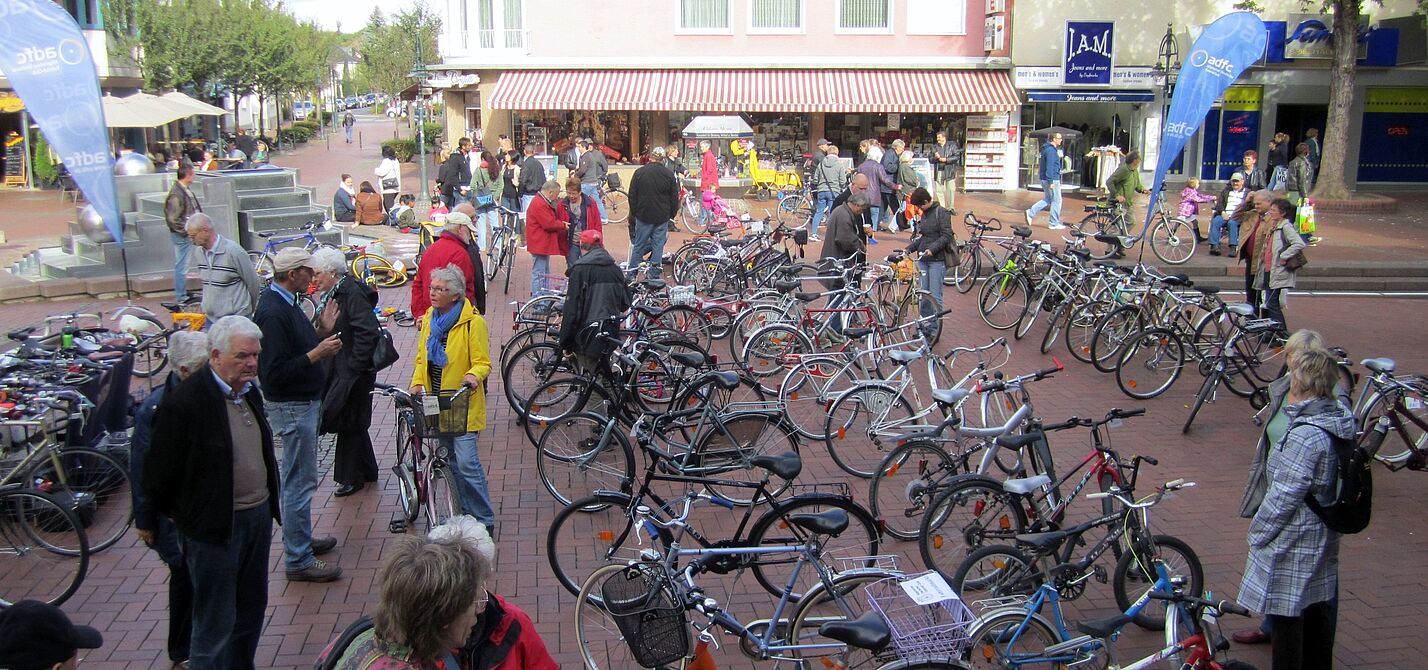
(596, 291)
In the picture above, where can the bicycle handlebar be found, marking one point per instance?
(1003, 384)
(1220, 606)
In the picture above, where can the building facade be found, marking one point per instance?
(796, 70)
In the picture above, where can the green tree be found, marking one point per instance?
(389, 47)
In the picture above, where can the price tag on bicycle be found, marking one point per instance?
(1412, 403)
(430, 405)
(928, 589)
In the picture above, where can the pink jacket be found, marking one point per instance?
(1190, 200)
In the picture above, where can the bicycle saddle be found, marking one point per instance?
(1177, 280)
(558, 306)
(694, 359)
(729, 244)
(1080, 253)
(1025, 486)
(1042, 542)
(950, 397)
(650, 312)
(1241, 308)
(1377, 365)
(855, 333)
(1105, 627)
(726, 380)
(1018, 441)
(716, 228)
(786, 465)
(265, 235)
(1208, 290)
(796, 268)
(1105, 265)
(831, 522)
(1114, 239)
(172, 306)
(1021, 231)
(785, 286)
(804, 296)
(653, 284)
(21, 334)
(868, 631)
(904, 357)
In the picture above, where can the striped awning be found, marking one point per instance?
(836, 91)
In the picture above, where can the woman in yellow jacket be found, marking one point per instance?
(453, 349)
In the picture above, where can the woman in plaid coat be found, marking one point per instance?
(1293, 566)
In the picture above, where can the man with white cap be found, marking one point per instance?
(292, 382)
(38, 636)
(453, 247)
(1225, 207)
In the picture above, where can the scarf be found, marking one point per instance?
(440, 325)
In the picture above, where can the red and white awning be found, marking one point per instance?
(835, 91)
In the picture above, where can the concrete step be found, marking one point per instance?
(278, 218)
(262, 179)
(72, 267)
(273, 199)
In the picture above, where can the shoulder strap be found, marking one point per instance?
(361, 625)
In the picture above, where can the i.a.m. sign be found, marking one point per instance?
(1088, 57)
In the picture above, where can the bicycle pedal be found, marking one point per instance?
(1100, 573)
(397, 525)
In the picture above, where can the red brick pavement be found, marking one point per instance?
(124, 597)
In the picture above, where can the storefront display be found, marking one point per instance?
(609, 129)
(988, 153)
(918, 131)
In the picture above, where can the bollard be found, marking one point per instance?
(359, 139)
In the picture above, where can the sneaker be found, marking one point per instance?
(1058, 226)
(814, 238)
(1027, 215)
(319, 572)
(322, 545)
(1214, 250)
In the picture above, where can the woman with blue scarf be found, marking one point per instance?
(453, 349)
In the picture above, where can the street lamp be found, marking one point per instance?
(419, 73)
(1167, 68)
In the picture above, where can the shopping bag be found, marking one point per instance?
(1305, 218)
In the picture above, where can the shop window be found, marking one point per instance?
(775, 16)
(85, 13)
(865, 16)
(937, 17)
(703, 16)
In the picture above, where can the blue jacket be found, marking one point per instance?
(165, 535)
(1050, 162)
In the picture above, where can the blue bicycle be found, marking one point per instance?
(263, 260)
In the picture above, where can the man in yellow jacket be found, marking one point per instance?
(454, 352)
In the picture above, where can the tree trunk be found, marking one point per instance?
(1332, 183)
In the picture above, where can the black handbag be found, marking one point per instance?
(386, 352)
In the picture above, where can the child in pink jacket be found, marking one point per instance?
(1190, 199)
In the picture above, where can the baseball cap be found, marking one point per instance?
(592, 238)
(459, 218)
(1237, 177)
(657, 152)
(292, 258)
(822, 141)
(35, 635)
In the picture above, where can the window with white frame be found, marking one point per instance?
(937, 17)
(874, 16)
(775, 16)
(704, 16)
(500, 24)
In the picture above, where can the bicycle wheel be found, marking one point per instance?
(44, 551)
(1135, 574)
(964, 275)
(863, 424)
(809, 389)
(1172, 240)
(1057, 323)
(688, 323)
(575, 458)
(726, 457)
(691, 210)
(969, 514)
(1003, 300)
(1111, 334)
(1150, 363)
(1033, 310)
(769, 348)
(602, 644)
(591, 532)
(844, 602)
(749, 321)
(94, 485)
(795, 211)
(617, 206)
(849, 549)
(1081, 328)
(1095, 224)
(262, 265)
(905, 484)
(409, 493)
(1410, 435)
(442, 501)
(1206, 389)
(995, 571)
(1011, 638)
(530, 367)
(367, 267)
(496, 254)
(720, 319)
(151, 345)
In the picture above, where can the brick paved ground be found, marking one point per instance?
(1383, 579)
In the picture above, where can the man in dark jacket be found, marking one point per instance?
(454, 177)
(180, 204)
(858, 184)
(532, 176)
(596, 291)
(592, 170)
(890, 165)
(211, 469)
(293, 381)
(843, 239)
(929, 248)
(654, 200)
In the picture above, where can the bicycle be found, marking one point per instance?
(150, 339)
(425, 477)
(501, 250)
(1234, 361)
(973, 253)
(373, 269)
(263, 260)
(1397, 402)
(1172, 238)
(617, 201)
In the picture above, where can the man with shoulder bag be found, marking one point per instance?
(931, 248)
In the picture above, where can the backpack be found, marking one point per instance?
(343, 641)
(1353, 488)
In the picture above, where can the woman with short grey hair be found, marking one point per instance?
(345, 305)
(329, 260)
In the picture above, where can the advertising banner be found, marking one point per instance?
(48, 63)
(1090, 47)
(1226, 47)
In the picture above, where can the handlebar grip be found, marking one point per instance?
(726, 504)
(1127, 413)
(1174, 483)
(1097, 495)
(1231, 607)
(1149, 459)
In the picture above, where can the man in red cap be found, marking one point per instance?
(595, 292)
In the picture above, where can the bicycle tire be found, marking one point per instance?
(924, 664)
(998, 303)
(721, 321)
(592, 532)
(1369, 415)
(1150, 363)
(713, 456)
(1172, 240)
(410, 487)
(856, 544)
(528, 368)
(617, 205)
(366, 266)
(691, 210)
(964, 275)
(44, 550)
(496, 254)
(601, 642)
(864, 423)
(1206, 388)
(262, 266)
(845, 601)
(905, 484)
(948, 536)
(1081, 328)
(151, 347)
(749, 321)
(1001, 637)
(1059, 319)
(688, 322)
(766, 350)
(807, 391)
(443, 502)
(558, 398)
(794, 212)
(508, 264)
(1033, 310)
(1096, 224)
(994, 571)
(1130, 568)
(96, 487)
(573, 463)
(1113, 331)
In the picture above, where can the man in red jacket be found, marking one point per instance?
(453, 247)
(708, 175)
(546, 231)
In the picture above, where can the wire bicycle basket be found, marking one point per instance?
(451, 418)
(550, 284)
(641, 600)
(935, 625)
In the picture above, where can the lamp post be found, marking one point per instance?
(419, 74)
(1166, 71)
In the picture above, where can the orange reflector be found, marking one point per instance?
(892, 469)
(842, 432)
(1004, 522)
(988, 651)
(1131, 383)
(534, 409)
(607, 536)
(999, 564)
(793, 396)
(936, 541)
(827, 663)
(782, 525)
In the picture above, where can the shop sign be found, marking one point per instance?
(1050, 76)
(894, 121)
(10, 103)
(1073, 95)
(1089, 53)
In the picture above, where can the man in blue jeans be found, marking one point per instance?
(829, 178)
(591, 170)
(1050, 183)
(654, 201)
(293, 382)
(180, 204)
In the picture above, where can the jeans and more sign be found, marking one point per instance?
(1089, 54)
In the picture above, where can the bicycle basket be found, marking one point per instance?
(936, 629)
(641, 601)
(450, 421)
(547, 284)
